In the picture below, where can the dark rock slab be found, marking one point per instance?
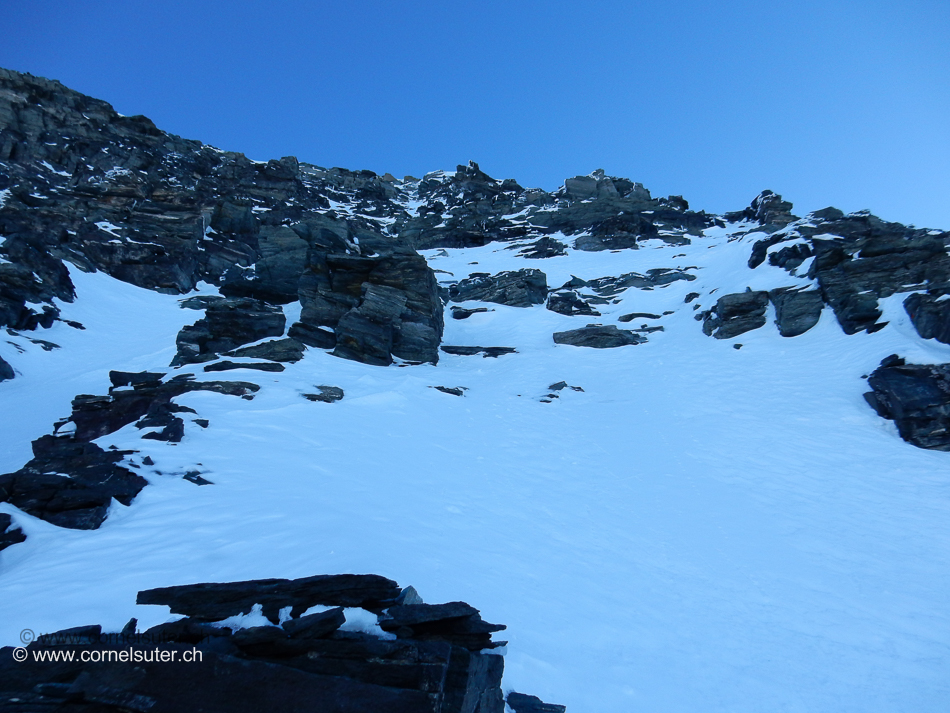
(568, 303)
(796, 311)
(328, 394)
(637, 315)
(70, 482)
(465, 313)
(213, 602)
(228, 324)
(768, 209)
(917, 398)
(930, 315)
(315, 626)
(735, 314)
(231, 365)
(613, 286)
(520, 288)
(543, 248)
(6, 371)
(598, 336)
(451, 390)
(456, 622)
(282, 350)
(10, 532)
(312, 336)
(494, 352)
(522, 703)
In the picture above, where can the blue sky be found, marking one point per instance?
(829, 103)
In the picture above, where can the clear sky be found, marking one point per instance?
(832, 102)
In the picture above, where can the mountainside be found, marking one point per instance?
(693, 461)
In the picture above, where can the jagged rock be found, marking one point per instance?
(520, 288)
(568, 303)
(274, 277)
(6, 371)
(283, 350)
(561, 385)
(521, 703)
(484, 351)
(796, 311)
(618, 233)
(305, 664)
(10, 532)
(930, 315)
(328, 394)
(544, 248)
(736, 314)
(228, 323)
(465, 313)
(598, 336)
(917, 398)
(456, 622)
(213, 602)
(312, 336)
(791, 258)
(767, 208)
(70, 482)
(452, 390)
(613, 286)
(379, 307)
(226, 365)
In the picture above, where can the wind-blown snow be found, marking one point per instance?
(701, 529)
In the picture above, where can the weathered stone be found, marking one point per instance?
(521, 288)
(637, 315)
(465, 313)
(542, 248)
(796, 311)
(226, 365)
(228, 323)
(283, 350)
(6, 371)
(312, 336)
(484, 351)
(598, 336)
(10, 532)
(452, 390)
(213, 602)
(736, 314)
(917, 398)
(930, 315)
(568, 303)
(328, 394)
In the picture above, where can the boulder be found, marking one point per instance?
(522, 703)
(282, 350)
(930, 315)
(736, 314)
(916, 397)
(6, 371)
(228, 324)
(10, 532)
(568, 303)
(796, 310)
(494, 352)
(328, 394)
(598, 336)
(520, 288)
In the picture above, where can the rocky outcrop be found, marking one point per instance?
(930, 315)
(228, 323)
(598, 336)
(486, 352)
(916, 397)
(328, 394)
(436, 660)
(522, 703)
(768, 209)
(6, 371)
(520, 288)
(736, 314)
(10, 532)
(71, 481)
(379, 307)
(796, 310)
(568, 303)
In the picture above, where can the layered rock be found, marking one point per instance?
(916, 397)
(736, 314)
(518, 288)
(598, 336)
(437, 662)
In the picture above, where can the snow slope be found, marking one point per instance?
(700, 529)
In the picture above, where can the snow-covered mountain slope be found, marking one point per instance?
(686, 523)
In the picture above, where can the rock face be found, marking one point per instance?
(598, 336)
(916, 397)
(521, 288)
(228, 323)
(437, 662)
(736, 314)
(378, 307)
(930, 316)
(796, 311)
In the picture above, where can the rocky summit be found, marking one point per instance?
(136, 266)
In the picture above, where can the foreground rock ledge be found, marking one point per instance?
(423, 658)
